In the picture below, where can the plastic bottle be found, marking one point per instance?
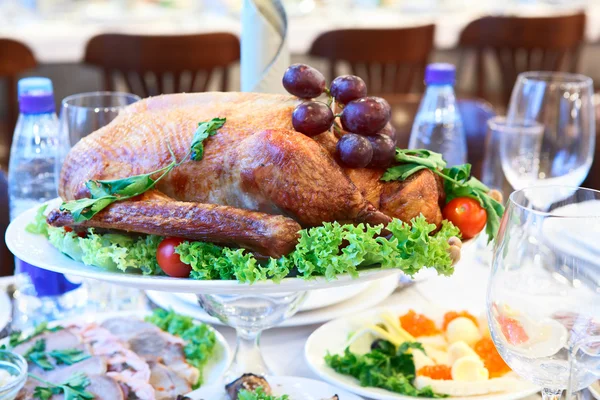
(438, 126)
(43, 295)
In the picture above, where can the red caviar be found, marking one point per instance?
(491, 358)
(418, 324)
(442, 372)
(452, 315)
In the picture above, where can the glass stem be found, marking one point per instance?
(551, 394)
(247, 357)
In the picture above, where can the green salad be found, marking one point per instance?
(327, 250)
(259, 394)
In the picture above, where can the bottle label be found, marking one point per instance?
(46, 283)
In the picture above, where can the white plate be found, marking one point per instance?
(332, 337)
(374, 294)
(314, 300)
(595, 390)
(213, 370)
(37, 250)
(296, 388)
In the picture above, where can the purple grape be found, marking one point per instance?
(390, 131)
(303, 81)
(346, 88)
(312, 118)
(354, 150)
(384, 150)
(366, 116)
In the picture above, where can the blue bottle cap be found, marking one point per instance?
(440, 74)
(36, 95)
(34, 84)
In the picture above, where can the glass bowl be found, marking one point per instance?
(16, 366)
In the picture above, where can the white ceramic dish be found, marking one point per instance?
(36, 250)
(212, 371)
(333, 335)
(296, 388)
(374, 294)
(315, 299)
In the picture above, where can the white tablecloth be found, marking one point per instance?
(62, 39)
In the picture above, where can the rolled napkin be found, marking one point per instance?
(265, 54)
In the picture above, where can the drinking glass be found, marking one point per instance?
(543, 300)
(562, 103)
(82, 114)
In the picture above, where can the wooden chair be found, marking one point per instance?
(148, 63)
(475, 114)
(389, 60)
(15, 59)
(523, 44)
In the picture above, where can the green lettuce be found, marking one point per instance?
(327, 250)
(259, 394)
(109, 250)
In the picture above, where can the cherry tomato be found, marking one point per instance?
(169, 261)
(467, 215)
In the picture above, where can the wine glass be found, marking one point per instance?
(562, 103)
(82, 114)
(543, 300)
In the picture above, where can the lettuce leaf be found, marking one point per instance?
(111, 251)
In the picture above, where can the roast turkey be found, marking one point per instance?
(257, 185)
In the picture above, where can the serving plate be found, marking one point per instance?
(332, 337)
(375, 292)
(296, 388)
(213, 370)
(37, 250)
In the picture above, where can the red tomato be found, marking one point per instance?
(80, 234)
(467, 215)
(169, 261)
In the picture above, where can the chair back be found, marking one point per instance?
(15, 59)
(388, 60)
(151, 65)
(519, 44)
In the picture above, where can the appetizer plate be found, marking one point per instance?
(374, 294)
(37, 250)
(296, 388)
(595, 390)
(332, 338)
(213, 369)
(315, 299)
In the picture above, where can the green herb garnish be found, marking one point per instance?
(16, 338)
(200, 338)
(384, 367)
(37, 355)
(73, 388)
(458, 182)
(105, 192)
(259, 394)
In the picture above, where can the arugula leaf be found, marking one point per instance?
(73, 388)
(458, 182)
(258, 394)
(385, 367)
(204, 130)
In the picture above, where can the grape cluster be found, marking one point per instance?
(370, 140)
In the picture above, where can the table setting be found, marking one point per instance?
(280, 244)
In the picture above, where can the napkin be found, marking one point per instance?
(265, 53)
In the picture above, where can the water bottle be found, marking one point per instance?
(43, 295)
(438, 126)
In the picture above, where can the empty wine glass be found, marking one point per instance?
(543, 300)
(562, 103)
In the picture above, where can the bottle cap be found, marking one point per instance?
(33, 84)
(36, 95)
(440, 74)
